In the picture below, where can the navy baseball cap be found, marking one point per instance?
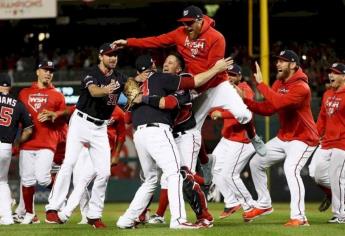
(107, 49)
(288, 55)
(234, 69)
(337, 68)
(47, 65)
(143, 62)
(191, 13)
(5, 81)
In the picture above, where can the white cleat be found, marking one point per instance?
(28, 218)
(156, 219)
(63, 217)
(17, 218)
(83, 221)
(185, 225)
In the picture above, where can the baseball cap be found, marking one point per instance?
(107, 48)
(191, 13)
(47, 65)
(234, 69)
(143, 62)
(5, 81)
(337, 68)
(288, 55)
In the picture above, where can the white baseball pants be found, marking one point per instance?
(296, 155)
(5, 192)
(80, 132)
(231, 158)
(319, 167)
(157, 149)
(35, 166)
(223, 96)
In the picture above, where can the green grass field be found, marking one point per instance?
(233, 225)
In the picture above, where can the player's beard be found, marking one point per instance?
(283, 74)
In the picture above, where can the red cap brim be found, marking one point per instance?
(334, 70)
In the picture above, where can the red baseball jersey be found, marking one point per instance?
(117, 129)
(232, 129)
(331, 120)
(45, 134)
(199, 54)
(291, 100)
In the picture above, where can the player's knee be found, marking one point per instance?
(44, 180)
(27, 182)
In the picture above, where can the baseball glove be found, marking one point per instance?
(131, 91)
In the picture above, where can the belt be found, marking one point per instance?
(5, 142)
(178, 134)
(89, 118)
(147, 125)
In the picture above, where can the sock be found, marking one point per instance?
(203, 154)
(250, 129)
(163, 202)
(28, 195)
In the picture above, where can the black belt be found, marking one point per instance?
(88, 118)
(178, 134)
(147, 125)
(6, 142)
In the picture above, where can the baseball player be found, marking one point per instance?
(36, 155)
(155, 143)
(233, 153)
(12, 113)
(201, 45)
(328, 163)
(187, 140)
(83, 172)
(296, 140)
(100, 90)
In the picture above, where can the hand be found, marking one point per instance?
(258, 74)
(223, 64)
(115, 160)
(216, 114)
(120, 43)
(110, 88)
(46, 115)
(193, 94)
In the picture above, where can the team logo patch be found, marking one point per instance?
(37, 101)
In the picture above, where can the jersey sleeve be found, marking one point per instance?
(171, 82)
(87, 80)
(25, 118)
(294, 97)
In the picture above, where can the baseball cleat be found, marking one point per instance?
(6, 221)
(296, 223)
(17, 218)
(259, 145)
(185, 225)
(229, 211)
(52, 217)
(96, 223)
(36, 220)
(248, 216)
(156, 219)
(28, 218)
(144, 217)
(204, 223)
(336, 220)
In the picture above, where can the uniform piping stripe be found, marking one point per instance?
(191, 162)
(340, 192)
(179, 176)
(298, 184)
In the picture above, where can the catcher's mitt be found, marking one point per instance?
(131, 91)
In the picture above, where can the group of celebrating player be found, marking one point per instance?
(167, 117)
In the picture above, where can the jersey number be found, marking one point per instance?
(6, 116)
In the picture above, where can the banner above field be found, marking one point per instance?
(27, 9)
